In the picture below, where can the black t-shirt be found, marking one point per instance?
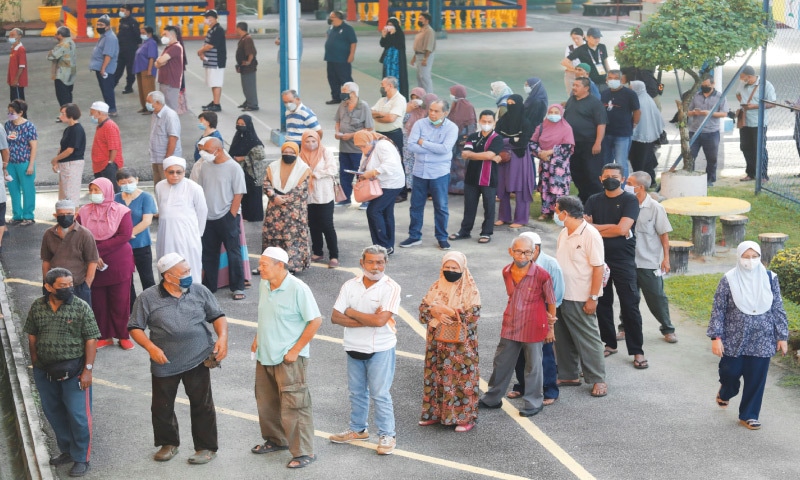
(74, 137)
(593, 58)
(605, 210)
(620, 116)
(584, 116)
(128, 33)
(478, 143)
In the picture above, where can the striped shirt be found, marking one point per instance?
(525, 317)
(384, 293)
(216, 57)
(299, 120)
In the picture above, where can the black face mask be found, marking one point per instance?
(611, 184)
(241, 128)
(65, 221)
(288, 159)
(64, 294)
(451, 276)
(101, 30)
(383, 92)
(330, 22)
(345, 97)
(705, 89)
(421, 24)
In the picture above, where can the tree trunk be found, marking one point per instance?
(683, 130)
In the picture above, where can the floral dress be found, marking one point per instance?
(554, 175)
(451, 376)
(286, 226)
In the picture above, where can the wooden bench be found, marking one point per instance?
(607, 9)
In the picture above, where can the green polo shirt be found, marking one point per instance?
(60, 335)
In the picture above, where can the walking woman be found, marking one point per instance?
(248, 150)
(553, 142)
(748, 323)
(22, 145)
(69, 161)
(451, 375)
(324, 169)
(393, 58)
(517, 175)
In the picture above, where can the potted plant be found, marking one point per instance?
(563, 6)
(50, 13)
(739, 25)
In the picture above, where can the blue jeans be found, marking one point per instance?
(107, 89)
(615, 150)
(349, 161)
(380, 217)
(437, 189)
(69, 411)
(372, 377)
(709, 141)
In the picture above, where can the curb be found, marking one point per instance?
(28, 422)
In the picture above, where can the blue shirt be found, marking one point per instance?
(338, 41)
(299, 120)
(142, 205)
(107, 45)
(432, 159)
(550, 264)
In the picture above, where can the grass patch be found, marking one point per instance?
(790, 380)
(767, 214)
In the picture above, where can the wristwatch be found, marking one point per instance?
(89, 366)
(594, 297)
(714, 338)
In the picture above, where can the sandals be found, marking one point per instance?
(268, 447)
(751, 424)
(333, 263)
(610, 351)
(640, 364)
(569, 383)
(600, 390)
(499, 223)
(485, 239)
(516, 225)
(301, 461)
(426, 423)
(465, 428)
(545, 217)
(459, 236)
(549, 401)
(202, 457)
(513, 394)
(722, 403)
(239, 295)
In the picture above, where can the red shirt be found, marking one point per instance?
(18, 61)
(525, 317)
(106, 139)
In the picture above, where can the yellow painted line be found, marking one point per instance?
(23, 281)
(397, 452)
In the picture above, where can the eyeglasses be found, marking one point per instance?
(526, 253)
(174, 172)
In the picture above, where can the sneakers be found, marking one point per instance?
(349, 435)
(79, 469)
(386, 445)
(107, 342)
(126, 344)
(363, 206)
(410, 242)
(214, 107)
(444, 245)
(342, 204)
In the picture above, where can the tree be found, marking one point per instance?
(685, 34)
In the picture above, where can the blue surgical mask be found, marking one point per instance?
(128, 188)
(437, 122)
(201, 127)
(614, 84)
(553, 117)
(12, 40)
(558, 220)
(94, 120)
(96, 198)
(185, 282)
(149, 106)
(143, 37)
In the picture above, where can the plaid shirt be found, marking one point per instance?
(525, 317)
(60, 335)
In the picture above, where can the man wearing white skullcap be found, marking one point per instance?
(106, 146)
(181, 349)
(182, 212)
(288, 318)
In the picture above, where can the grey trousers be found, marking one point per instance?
(424, 79)
(505, 358)
(171, 95)
(249, 89)
(578, 342)
(652, 288)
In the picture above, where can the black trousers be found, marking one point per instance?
(339, 73)
(16, 93)
(396, 136)
(63, 93)
(623, 277)
(125, 62)
(748, 144)
(143, 259)
(643, 158)
(197, 385)
(586, 168)
(320, 222)
(471, 196)
(110, 172)
(222, 231)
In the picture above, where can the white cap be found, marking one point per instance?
(276, 253)
(534, 237)
(100, 107)
(168, 261)
(173, 160)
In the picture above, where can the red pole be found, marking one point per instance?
(383, 13)
(80, 12)
(522, 13)
(232, 18)
(352, 14)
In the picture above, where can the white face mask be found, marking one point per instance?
(290, 106)
(527, 89)
(418, 101)
(452, 97)
(749, 264)
(207, 156)
(165, 40)
(96, 198)
(143, 37)
(557, 220)
(614, 84)
(629, 189)
(487, 127)
(122, 14)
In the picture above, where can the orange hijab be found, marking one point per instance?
(312, 158)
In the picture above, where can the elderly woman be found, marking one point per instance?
(286, 217)
(381, 161)
(451, 375)
(393, 58)
(517, 175)
(646, 132)
(747, 324)
(112, 228)
(324, 169)
(68, 163)
(22, 145)
(416, 109)
(248, 150)
(462, 113)
(553, 142)
(352, 115)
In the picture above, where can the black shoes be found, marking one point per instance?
(212, 107)
(333, 102)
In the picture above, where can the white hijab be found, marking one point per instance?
(300, 167)
(751, 289)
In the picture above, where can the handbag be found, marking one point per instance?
(65, 369)
(365, 190)
(740, 115)
(338, 193)
(453, 333)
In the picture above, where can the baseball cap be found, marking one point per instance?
(594, 32)
(585, 67)
(210, 13)
(276, 253)
(168, 261)
(100, 107)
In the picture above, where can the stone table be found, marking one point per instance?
(704, 212)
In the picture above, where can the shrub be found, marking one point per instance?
(786, 264)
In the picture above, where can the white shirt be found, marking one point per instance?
(384, 293)
(395, 105)
(324, 175)
(386, 160)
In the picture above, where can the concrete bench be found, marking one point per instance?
(733, 229)
(608, 9)
(679, 256)
(771, 243)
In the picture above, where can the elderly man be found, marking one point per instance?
(298, 117)
(59, 356)
(352, 115)
(588, 120)
(165, 134)
(64, 68)
(530, 308)
(748, 134)
(702, 103)
(622, 107)
(592, 53)
(214, 54)
(579, 251)
(170, 68)
(104, 62)
(107, 145)
(17, 66)
(388, 113)
(182, 213)
(364, 308)
(223, 185)
(288, 318)
(340, 50)
(613, 213)
(246, 66)
(129, 41)
(71, 246)
(181, 350)
(424, 46)
(432, 144)
(652, 253)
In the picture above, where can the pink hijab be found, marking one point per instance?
(420, 112)
(550, 134)
(462, 113)
(103, 219)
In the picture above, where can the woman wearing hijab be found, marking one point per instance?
(381, 160)
(286, 217)
(462, 113)
(553, 143)
(517, 175)
(646, 132)
(416, 109)
(248, 150)
(451, 375)
(501, 92)
(324, 169)
(536, 101)
(112, 228)
(748, 323)
(393, 58)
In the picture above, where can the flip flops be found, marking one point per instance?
(302, 461)
(268, 447)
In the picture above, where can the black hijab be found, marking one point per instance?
(398, 39)
(514, 126)
(245, 141)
